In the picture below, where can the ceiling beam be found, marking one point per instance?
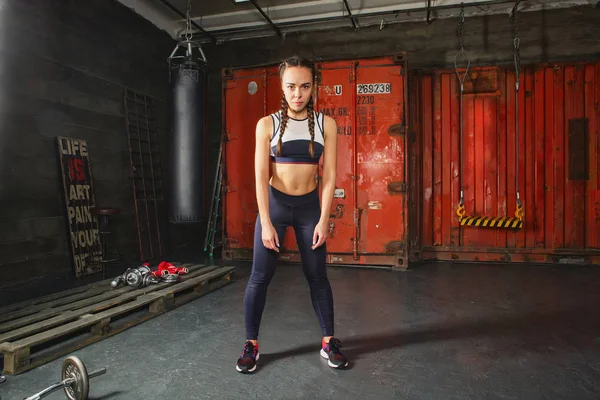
(266, 17)
(371, 14)
(350, 14)
(428, 11)
(176, 11)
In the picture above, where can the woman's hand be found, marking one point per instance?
(320, 234)
(269, 237)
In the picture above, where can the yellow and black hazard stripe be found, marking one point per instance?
(492, 222)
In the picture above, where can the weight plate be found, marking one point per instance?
(169, 278)
(144, 270)
(133, 277)
(74, 368)
(149, 279)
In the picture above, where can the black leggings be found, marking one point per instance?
(303, 214)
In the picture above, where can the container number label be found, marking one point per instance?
(374, 88)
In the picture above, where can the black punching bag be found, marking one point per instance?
(187, 78)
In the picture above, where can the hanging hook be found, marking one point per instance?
(460, 210)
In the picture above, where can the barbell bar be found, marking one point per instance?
(75, 380)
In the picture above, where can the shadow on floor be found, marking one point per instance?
(528, 332)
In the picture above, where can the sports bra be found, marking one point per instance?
(296, 140)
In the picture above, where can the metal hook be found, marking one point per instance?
(461, 80)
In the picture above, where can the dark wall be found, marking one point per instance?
(546, 35)
(63, 67)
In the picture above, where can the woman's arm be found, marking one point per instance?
(329, 175)
(264, 128)
(329, 167)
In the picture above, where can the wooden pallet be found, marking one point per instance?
(35, 332)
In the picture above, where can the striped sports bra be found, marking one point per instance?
(296, 139)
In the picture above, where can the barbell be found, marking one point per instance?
(75, 380)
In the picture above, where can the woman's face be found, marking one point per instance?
(297, 85)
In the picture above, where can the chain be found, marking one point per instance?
(188, 26)
(461, 79)
(461, 27)
(517, 59)
(516, 43)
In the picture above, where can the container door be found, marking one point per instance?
(244, 96)
(367, 99)
(334, 98)
(380, 158)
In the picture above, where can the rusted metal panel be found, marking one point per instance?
(561, 212)
(482, 81)
(367, 98)
(245, 93)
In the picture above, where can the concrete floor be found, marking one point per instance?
(437, 332)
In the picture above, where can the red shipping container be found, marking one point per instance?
(367, 98)
(558, 165)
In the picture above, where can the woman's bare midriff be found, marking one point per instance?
(294, 179)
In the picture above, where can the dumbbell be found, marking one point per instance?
(75, 380)
(135, 277)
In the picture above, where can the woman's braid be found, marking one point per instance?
(284, 121)
(311, 128)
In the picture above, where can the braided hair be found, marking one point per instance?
(296, 61)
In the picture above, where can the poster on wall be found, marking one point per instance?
(79, 201)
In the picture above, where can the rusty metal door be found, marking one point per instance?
(245, 107)
(381, 149)
(337, 103)
(367, 224)
(558, 162)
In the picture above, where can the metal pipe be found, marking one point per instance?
(350, 14)
(266, 17)
(182, 15)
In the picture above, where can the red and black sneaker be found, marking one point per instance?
(331, 352)
(247, 361)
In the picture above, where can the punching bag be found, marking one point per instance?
(187, 79)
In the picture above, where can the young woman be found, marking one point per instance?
(293, 141)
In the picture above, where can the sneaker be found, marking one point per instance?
(247, 361)
(331, 352)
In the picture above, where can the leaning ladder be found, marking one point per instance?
(211, 228)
